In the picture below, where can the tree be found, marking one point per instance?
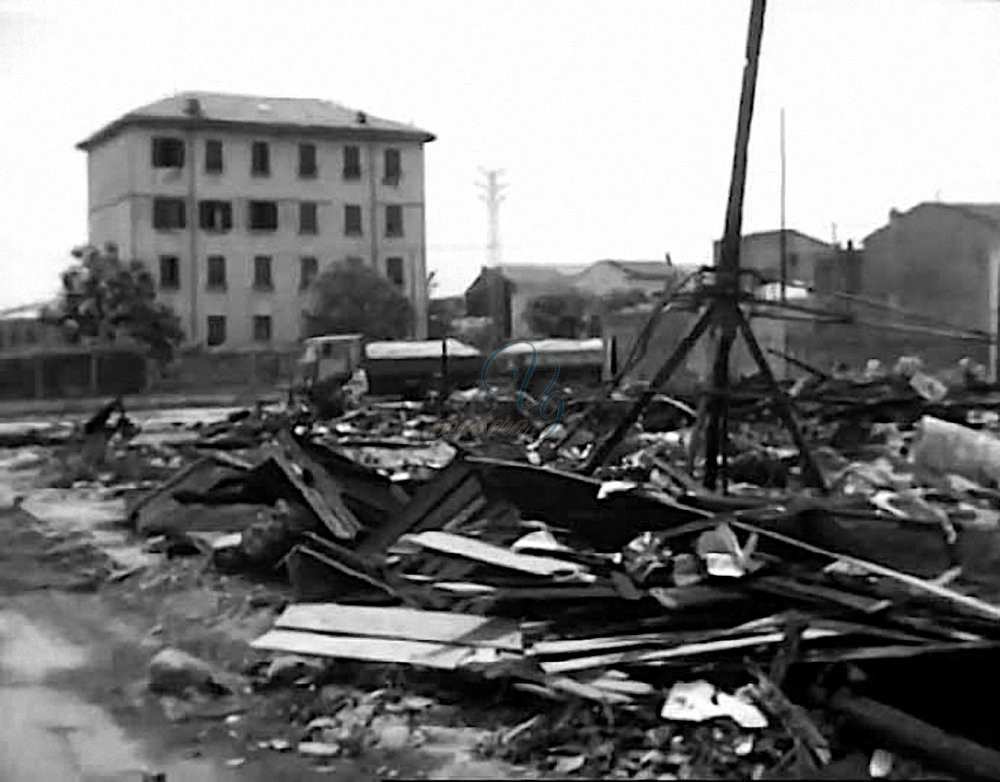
(103, 298)
(557, 314)
(355, 299)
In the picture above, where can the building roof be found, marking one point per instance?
(220, 110)
(543, 346)
(788, 232)
(988, 212)
(538, 273)
(429, 348)
(32, 311)
(641, 270)
(985, 213)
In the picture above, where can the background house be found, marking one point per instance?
(762, 251)
(503, 294)
(23, 331)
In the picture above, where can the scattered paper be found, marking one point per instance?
(699, 701)
(880, 766)
(613, 487)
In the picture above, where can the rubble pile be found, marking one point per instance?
(673, 631)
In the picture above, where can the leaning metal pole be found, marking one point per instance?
(723, 309)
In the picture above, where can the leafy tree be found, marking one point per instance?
(103, 298)
(557, 314)
(356, 299)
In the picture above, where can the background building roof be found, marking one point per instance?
(218, 108)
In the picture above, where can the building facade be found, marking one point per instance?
(939, 262)
(237, 203)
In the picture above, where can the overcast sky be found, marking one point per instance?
(613, 120)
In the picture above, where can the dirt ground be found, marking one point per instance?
(75, 647)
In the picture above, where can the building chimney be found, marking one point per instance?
(893, 214)
(850, 245)
(192, 107)
(362, 118)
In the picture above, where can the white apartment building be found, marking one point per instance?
(236, 204)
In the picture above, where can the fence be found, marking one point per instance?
(244, 372)
(70, 374)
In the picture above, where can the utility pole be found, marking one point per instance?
(492, 196)
(783, 239)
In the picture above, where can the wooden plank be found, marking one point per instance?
(403, 623)
(469, 548)
(425, 500)
(814, 593)
(966, 601)
(684, 650)
(320, 481)
(313, 499)
(385, 650)
(896, 651)
(454, 506)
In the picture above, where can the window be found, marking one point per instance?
(170, 272)
(308, 220)
(394, 220)
(263, 216)
(352, 162)
(793, 262)
(352, 220)
(215, 216)
(213, 157)
(169, 213)
(168, 152)
(216, 272)
(262, 328)
(216, 330)
(262, 273)
(309, 268)
(307, 161)
(393, 169)
(394, 270)
(261, 163)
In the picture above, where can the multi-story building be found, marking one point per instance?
(237, 203)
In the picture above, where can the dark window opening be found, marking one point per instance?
(263, 216)
(168, 152)
(352, 220)
(394, 220)
(216, 330)
(262, 279)
(308, 218)
(215, 216)
(213, 157)
(352, 162)
(394, 270)
(170, 272)
(307, 161)
(216, 278)
(393, 167)
(261, 164)
(262, 328)
(309, 268)
(169, 213)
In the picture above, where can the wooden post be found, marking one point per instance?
(39, 384)
(95, 388)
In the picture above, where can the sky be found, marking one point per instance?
(613, 121)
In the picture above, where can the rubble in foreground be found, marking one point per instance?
(658, 630)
